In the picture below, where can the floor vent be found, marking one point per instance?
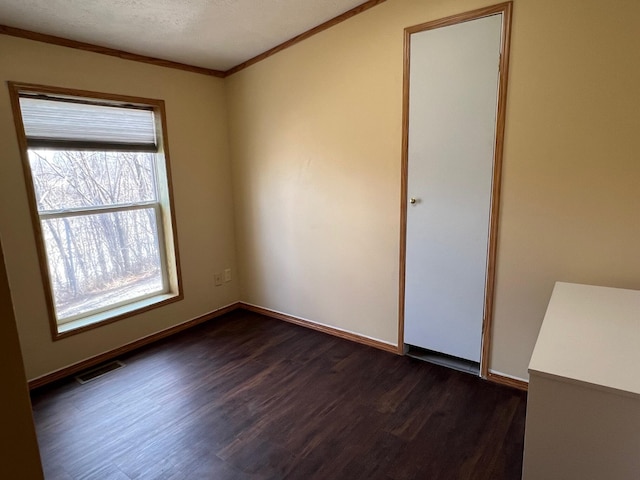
(99, 371)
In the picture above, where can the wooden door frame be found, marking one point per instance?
(505, 9)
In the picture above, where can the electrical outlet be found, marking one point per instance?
(227, 275)
(217, 277)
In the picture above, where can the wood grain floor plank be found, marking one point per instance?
(248, 397)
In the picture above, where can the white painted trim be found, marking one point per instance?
(105, 313)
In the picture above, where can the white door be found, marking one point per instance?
(453, 95)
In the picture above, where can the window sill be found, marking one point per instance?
(119, 313)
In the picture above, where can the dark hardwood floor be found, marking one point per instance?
(249, 397)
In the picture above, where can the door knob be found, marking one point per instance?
(412, 201)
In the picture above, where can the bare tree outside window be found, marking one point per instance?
(100, 191)
(97, 259)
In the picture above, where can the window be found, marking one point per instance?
(97, 170)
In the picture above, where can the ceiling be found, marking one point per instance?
(214, 34)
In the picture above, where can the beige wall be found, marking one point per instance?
(315, 146)
(315, 141)
(19, 455)
(197, 132)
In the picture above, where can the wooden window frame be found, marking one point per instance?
(164, 208)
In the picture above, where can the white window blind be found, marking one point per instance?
(60, 123)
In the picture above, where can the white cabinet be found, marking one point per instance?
(583, 408)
